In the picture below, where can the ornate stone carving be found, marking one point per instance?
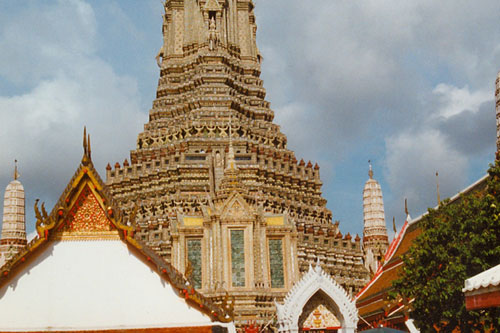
(316, 283)
(210, 97)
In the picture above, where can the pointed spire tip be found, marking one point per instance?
(16, 173)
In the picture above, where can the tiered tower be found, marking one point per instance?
(190, 204)
(375, 240)
(13, 226)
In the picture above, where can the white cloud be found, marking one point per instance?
(64, 85)
(46, 39)
(454, 101)
(460, 127)
(412, 161)
(415, 75)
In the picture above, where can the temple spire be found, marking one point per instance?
(13, 227)
(213, 25)
(375, 240)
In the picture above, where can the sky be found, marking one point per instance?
(408, 85)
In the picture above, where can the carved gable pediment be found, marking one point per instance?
(212, 5)
(236, 208)
(87, 215)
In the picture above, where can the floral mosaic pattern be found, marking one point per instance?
(276, 263)
(194, 257)
(238, 257)
(87, 215)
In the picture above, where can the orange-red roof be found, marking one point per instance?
(371, 300)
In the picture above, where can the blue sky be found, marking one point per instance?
(406, 84)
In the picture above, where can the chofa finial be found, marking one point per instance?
(85, 140)
(89, 150)
(86, 146)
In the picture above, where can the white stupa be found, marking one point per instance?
(14, 225)
(375, 240)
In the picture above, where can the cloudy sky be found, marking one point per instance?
(406, 84)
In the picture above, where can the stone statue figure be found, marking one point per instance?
(212, 34)
(162, 52)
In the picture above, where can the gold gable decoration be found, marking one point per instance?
(321, 318)
(87, 218)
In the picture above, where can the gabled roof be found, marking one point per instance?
(109, 223)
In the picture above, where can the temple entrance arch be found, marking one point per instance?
(319, 295)
(320, 313)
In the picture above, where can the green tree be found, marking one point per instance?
(459, 240)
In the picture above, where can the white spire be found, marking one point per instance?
(375, 240)
(14, 225)
(373, 207)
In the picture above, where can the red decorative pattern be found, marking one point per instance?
(87, 215)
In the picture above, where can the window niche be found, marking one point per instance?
(238, 258)
(276, 263)
(194, 258)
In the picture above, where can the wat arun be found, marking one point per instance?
(211, 185)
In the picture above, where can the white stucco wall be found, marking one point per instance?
(91, 285)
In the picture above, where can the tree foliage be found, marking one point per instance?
(459, 240)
